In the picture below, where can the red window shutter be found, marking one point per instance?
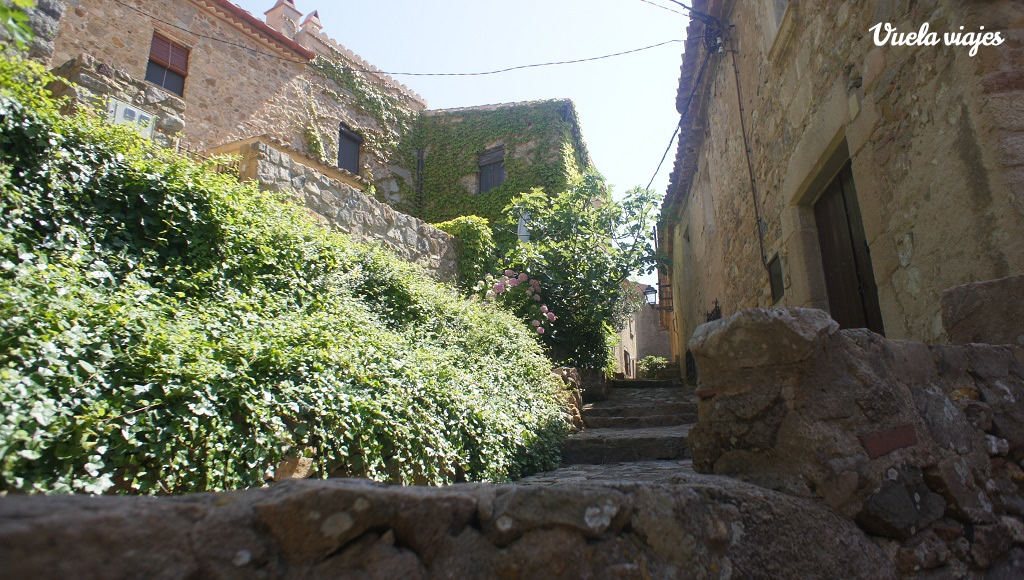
(160, 50)
(169, 54)
(179, 59)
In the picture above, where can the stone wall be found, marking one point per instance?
(697, 528)
(921, 445)
(933, 136)
(340, 205)
(92, 82)
(259, 84)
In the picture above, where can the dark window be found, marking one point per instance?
(168, 65)
(492, 169)
(775, 273)
(348, 149)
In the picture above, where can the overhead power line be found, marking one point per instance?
(574, 61)
(419, 74)
(686, 108)
(663, 7)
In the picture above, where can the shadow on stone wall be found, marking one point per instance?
(918, 444)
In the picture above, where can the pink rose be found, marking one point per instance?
(551, 316)
(536, 297)
(523, 277)
(499, 288)
(543, 308)
(540, 330)
(535, 323)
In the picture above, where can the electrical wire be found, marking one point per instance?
(380, 72)
(697, 14)
(574, 61)
(686, 108)
(662, 7)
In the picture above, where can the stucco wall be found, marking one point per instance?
(934, 137)
(244, 87)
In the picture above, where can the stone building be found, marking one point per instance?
(642, 335)
(816, 168)
(474, 160)
(309, 115)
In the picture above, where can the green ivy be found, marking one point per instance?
(393, 117)
(542, 149)
(165, 329)
(477, 253)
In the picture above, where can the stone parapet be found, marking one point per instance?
(335, 200)
(708, 527)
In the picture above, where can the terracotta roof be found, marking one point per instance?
(692, 81)
(257, 27)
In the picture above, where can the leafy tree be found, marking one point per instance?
(583, 248)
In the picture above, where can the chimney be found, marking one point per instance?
(284, 17)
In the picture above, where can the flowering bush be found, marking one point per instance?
(583, 246)
(518, 292)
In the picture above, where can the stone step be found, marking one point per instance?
(669, 471)
(646, 383)
(622, 409)
(633, 422)
(611, 445)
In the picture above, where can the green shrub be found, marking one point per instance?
(583, 248)
(477, 253)
(164, 329)
(651, 367)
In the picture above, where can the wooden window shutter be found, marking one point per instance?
(169, 54)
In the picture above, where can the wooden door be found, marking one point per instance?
(845, 256)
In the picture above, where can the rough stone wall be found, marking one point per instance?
(343, 207)
(933, 134)
(44, 19)
(920, 445)
(94, 81)
(700, 527)
(233, 91)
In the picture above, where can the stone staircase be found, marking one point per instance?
(638, 433)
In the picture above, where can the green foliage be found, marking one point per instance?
(651, 367)
(392, 116)
(541, 150)
(583, 247)
(519, 293)
(477, 253)
(164, 329)
(15, 21)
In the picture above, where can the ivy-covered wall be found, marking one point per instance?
(543, 148)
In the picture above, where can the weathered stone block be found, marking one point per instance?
(985, 312)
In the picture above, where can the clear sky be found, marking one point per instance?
(626, 104)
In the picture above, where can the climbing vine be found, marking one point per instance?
(477, 253)
(542, 149)
(392, 116)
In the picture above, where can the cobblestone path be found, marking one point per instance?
(637, 434)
